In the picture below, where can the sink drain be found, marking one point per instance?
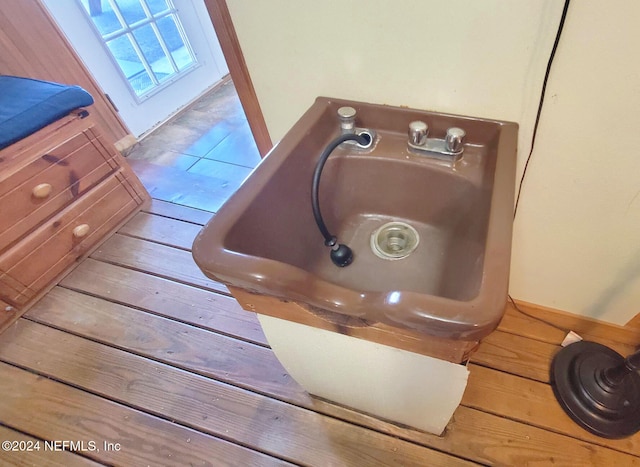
(394, 240)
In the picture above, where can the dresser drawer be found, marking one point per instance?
(49, 182)
(36, 261)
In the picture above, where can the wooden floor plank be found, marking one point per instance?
(161, 260)
(163, 341)
(164, 230)
(516, 355)
(199, 307)
(530, 402)
(178, 211)
(26, 451)
(194, 349)
(525, 356)
(499, 441)
(273, 427)
(521, 325)
(55, 411)
(517, 398)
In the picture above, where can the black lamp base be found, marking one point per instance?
(597, 389)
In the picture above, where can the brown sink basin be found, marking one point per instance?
(453, 285)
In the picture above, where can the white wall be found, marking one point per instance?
(575, 240)
(577, 237)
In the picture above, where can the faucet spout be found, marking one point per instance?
(347, 119)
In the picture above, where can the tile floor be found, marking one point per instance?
(210, 143)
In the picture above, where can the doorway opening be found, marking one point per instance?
(196, 162)
(150, 57)
(145, 38)
(201, 157)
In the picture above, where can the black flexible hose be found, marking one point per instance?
(329, 240)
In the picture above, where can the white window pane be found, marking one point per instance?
(170, 33)
(102, 16)
(131, 10)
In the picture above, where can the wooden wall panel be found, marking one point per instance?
(31, 45)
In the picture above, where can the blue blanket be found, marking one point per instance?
(27, 105)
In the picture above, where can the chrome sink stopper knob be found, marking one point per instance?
(454, 139)
(347, 117)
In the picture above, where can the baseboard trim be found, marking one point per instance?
(628, 334)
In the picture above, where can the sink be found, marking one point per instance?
(453, 285)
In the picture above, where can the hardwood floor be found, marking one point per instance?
(137, 348)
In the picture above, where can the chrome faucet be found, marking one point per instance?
(449, 148)
(347, 119)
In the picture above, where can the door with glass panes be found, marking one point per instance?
(152, 57)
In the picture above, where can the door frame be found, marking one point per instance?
(221, 19)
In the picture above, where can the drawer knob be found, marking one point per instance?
(81, 230)
(41, 191)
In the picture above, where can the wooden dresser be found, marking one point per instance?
(63, 190)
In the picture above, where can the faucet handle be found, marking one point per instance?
(454, 139)
(347, 117)
(418, 132)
